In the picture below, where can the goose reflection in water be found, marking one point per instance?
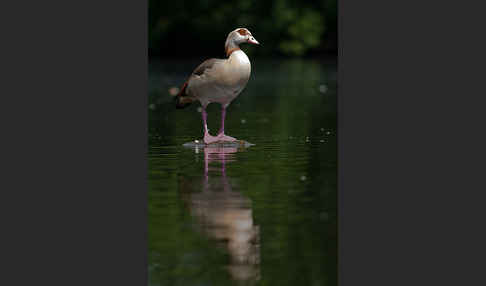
(223, 214)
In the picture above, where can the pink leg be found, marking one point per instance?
(221, 136)
(208, 139)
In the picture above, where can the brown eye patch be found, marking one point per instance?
(242, 32)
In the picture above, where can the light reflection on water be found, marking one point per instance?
(224, 214)
(263, 215)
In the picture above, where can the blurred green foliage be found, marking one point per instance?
(283, 27)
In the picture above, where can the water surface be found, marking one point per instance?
(263, 215)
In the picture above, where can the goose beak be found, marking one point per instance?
(252, 40)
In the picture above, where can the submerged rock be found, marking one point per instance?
(201, 144)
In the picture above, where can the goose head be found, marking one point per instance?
(237, 37)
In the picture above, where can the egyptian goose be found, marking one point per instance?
(219, 80)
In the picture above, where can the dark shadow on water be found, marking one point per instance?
(223, 214)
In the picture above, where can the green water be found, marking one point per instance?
(263, 215)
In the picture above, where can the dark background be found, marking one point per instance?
(291, 94)
(74, 143)
(283, 27)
